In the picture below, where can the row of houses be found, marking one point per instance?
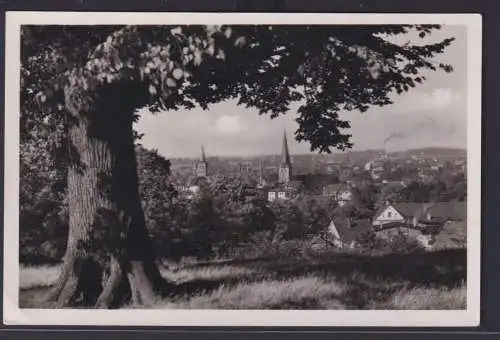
(421, 221)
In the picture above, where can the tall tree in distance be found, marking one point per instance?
(93, 79)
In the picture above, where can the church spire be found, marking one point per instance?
(285, 167)
(202, 154)
(285, 155)
(201, 166)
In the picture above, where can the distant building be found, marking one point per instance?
(425, 237)
(426, 175)
(246, 176)
(377, 169)
(201, 165)
(285, 167)
(345, 233)
(394, 184)
(191, 188)
(461, 164)
(342, 193)
(421, 221)
(192, 191)
(345, 173)
(286, 191)
(287, 187)
(399, 213)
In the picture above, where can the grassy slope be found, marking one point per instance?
(336, 281)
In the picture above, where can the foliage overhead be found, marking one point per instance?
(326, 69)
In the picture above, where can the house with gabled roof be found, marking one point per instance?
(424, 221)
(286, 191)
(346, 232)
(340, 192)
(415, 213)
(396, 213)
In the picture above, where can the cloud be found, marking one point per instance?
(440, 98)
(228, 125)
(437, 100)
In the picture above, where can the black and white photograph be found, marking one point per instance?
(242, 169)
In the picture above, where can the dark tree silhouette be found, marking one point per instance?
(94, 79)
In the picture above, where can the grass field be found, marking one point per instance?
(432, 280)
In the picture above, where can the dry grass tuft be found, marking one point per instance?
(180, 274)
(298, 293)
(430, 298)
(40, 276)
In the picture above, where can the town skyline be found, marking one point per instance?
(277, 152)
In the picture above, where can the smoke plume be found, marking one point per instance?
(427, 126)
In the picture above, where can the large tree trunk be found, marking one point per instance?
(109, 259)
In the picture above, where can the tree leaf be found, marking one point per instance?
(177, 73)
(170, 82)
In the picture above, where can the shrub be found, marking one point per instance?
(370, 244)
(269, 245)
(404, 244)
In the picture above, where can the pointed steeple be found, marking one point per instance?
(285, 155)
(240, 167)
(201, 165)
(285, 167)
(202, 154)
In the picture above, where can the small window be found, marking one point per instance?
(281, 195)
(389, 214)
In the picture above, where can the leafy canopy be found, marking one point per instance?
(326, 69)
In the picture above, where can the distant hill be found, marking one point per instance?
(437, 152)
(428, 151)
(432, 152)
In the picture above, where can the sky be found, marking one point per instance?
(431, 115)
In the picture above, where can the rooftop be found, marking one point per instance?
(350, 230)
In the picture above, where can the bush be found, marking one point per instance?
(43, 237)
(404, 244)
(371, 244)
(266, 245)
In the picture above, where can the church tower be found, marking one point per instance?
(285, 167)
(201, 168)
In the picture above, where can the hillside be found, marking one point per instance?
(432, 152)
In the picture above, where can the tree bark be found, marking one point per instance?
(109, 259)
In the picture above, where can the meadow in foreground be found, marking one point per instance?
(430, 280)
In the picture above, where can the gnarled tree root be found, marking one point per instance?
(139, 286)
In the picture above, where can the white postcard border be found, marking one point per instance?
(12, 315)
